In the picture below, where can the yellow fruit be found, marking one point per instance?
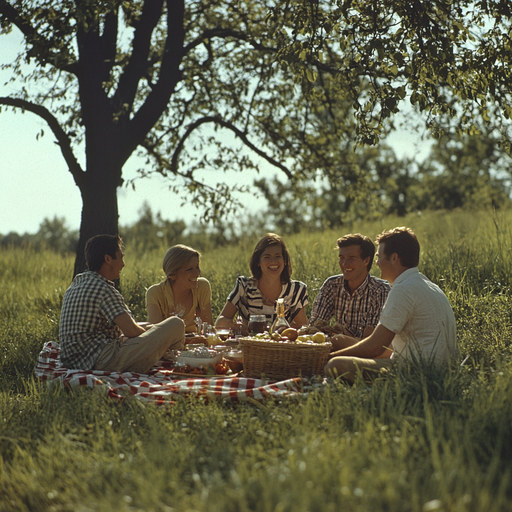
(290, 333)
(303, 339)
(318, 337)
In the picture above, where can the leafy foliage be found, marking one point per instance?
(451, 58)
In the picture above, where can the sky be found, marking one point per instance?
(35, 183)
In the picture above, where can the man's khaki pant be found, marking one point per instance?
(139, 354)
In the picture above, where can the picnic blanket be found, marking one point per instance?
(161, 387)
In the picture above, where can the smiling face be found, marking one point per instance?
(353, 266)
(272, 261)
(186, 277)
(385, 264)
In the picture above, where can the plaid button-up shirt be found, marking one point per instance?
(89, 308)
(353, 311)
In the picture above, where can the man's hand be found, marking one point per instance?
(370, 347)
(128, 325)
(341, 341)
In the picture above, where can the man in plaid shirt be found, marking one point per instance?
(97, 330)
(355, 298)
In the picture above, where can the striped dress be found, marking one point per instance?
(249, 300)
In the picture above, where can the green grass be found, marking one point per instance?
(412, 441)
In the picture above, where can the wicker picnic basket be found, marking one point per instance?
(279, 360)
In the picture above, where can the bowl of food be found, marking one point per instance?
(200, 356)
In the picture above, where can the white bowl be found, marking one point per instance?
(198, 361)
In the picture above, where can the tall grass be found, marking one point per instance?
(412, 441)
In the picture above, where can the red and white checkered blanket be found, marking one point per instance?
(160, 386)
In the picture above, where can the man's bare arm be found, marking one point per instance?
(128, 325)
(370, 347)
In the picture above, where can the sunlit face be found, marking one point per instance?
(116, 265)
(385, 264)
(272, 261)
(187, 275)
(353, 266)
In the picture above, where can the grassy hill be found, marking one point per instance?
(410, 442)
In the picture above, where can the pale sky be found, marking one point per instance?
(35, 182)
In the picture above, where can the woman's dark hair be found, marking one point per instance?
(99, 245)
(269, 240)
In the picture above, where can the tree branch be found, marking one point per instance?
(224, 33)
(138, 63)
(62, 137)
(157, 100)
(109, 38)
(236, 131)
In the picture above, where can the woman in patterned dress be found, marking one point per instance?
(271, 270)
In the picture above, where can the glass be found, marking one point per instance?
(211, 335)
(257, 324)
(179, 309)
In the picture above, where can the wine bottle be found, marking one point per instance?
(280, 323)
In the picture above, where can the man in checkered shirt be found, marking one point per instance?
(355, 298)
(97, 330)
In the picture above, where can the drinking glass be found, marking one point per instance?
(179, 310)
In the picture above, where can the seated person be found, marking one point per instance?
(183, 292)
(97, 330)
(417, 320)
(355, 298)
(271, 270)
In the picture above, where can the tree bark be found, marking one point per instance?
(99, 214)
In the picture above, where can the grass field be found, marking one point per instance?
(412, 441)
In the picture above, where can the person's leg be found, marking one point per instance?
(348, 367)
(139, 354)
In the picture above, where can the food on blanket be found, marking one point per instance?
(199, 356)
(199, 352)
(192, 370)
(195, 339)
(221, 369)
(290, 333)
(235, 366)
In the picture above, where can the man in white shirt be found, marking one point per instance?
(416, 323)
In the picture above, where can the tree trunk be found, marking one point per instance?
(99, 214)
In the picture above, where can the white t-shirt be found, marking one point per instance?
(420, 315)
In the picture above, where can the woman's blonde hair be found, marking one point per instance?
(176, 257)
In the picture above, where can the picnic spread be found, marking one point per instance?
(166, 381)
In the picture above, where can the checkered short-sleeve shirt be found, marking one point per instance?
(89, 308)
(354, 311)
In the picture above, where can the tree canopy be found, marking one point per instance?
(189, 84)
(450, 58)
(170, 79)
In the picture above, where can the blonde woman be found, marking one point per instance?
(183, 293)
